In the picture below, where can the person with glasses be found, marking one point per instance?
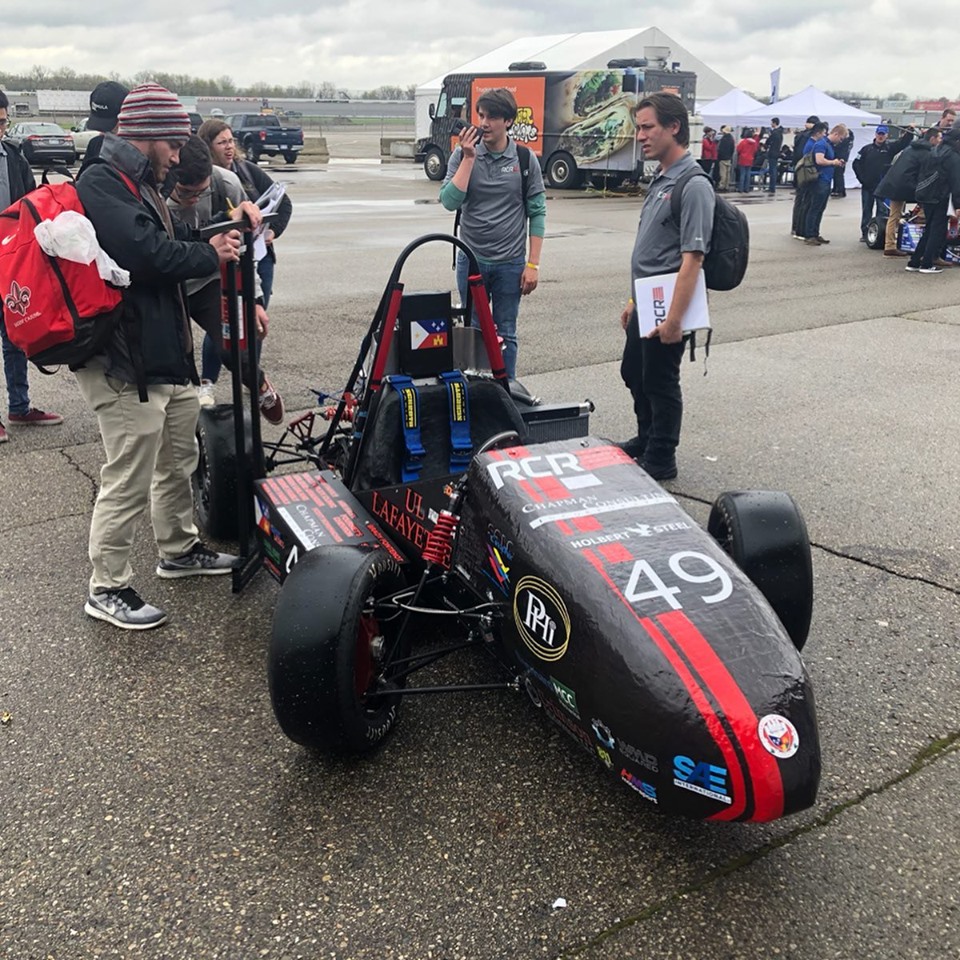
(219, 138)
(200, 193)
(16, 180)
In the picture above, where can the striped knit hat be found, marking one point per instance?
(151, 112)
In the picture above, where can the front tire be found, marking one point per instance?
(562, 171)
(332, 633)
(765, 535)
(433, 164)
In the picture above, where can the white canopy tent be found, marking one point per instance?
(731, 109)
(793, 113)
(574, 51)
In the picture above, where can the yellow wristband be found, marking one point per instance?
(533, 266)
(630, 301)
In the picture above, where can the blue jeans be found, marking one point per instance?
(820, 194)
(868, 201)
(502, 281)
(772, 174)
(211, 362)
(743, 179)
(15, 372)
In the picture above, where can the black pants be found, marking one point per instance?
(204, 308)
(651, 371)
(934, 235)
(801, 206)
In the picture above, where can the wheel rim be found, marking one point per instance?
(872, 233)
(433, 164)
(364, 666)
(560, 172)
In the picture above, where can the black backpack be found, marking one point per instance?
(725, 264)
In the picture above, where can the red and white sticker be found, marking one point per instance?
(778, 736)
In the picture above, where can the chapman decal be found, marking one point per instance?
(541, 618)
(599, 507)
(778, 736)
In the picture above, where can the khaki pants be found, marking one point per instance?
(151, 451)
(726, 168)
(893, 224)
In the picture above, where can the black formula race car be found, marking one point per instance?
(442, 500)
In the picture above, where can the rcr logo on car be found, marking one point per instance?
(559, 465)
(541, 618)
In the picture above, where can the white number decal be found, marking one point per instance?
(292, 558)
(716, 573)
(642, 569)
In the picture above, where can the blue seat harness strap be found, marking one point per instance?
(461, 446)
(410, 420)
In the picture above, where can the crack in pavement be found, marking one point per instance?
(925, 757)
(83, 473)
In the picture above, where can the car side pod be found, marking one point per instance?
(639, 635)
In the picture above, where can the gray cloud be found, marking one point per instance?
(875, 46)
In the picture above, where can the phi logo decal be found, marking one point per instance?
(778, 736)
(18, 299)
(541, 618)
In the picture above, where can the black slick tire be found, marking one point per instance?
(765, 535)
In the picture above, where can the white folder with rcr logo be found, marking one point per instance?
(653, 295)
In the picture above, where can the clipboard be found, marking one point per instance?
(652, 296)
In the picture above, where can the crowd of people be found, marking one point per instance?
(147, 185)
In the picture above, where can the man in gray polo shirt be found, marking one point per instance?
(485, 182)
(651, 365)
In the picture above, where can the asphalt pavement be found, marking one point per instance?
(150, 807)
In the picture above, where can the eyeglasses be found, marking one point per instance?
(4, 122)
(224, 143)
(190, 193)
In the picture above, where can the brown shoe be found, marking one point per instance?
(823, 239)
(813, 242)
(895, 253)
(940, 262)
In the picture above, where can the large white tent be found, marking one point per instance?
(575, 51)
(793, 113)
(731, 108)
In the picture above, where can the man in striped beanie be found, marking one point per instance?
(143, 386)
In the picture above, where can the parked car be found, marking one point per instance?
(82, 136)
(195, 121)
(43, 144)
(216, 112)
(261, 134)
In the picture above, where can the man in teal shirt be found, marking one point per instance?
(485, 182)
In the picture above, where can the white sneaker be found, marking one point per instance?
(205, 393)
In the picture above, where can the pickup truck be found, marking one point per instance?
(261, 134)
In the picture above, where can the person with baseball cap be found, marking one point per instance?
(105, 102)
(870, 165)
(142, 387)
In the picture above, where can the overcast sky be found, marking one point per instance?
(874, 46)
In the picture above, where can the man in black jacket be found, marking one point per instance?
(899, 186)
(774, 145)
(869, 167)
(150, 445)
(937, 182)
(726, 148)
(16, 180)
(800, 139)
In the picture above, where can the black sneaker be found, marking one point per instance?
(661, 471)
(125, 609)
(198, 561)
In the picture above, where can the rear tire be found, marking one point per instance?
(330, 633)
(876, 233)
(562, 171)
(215, 479)
(765, 535)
